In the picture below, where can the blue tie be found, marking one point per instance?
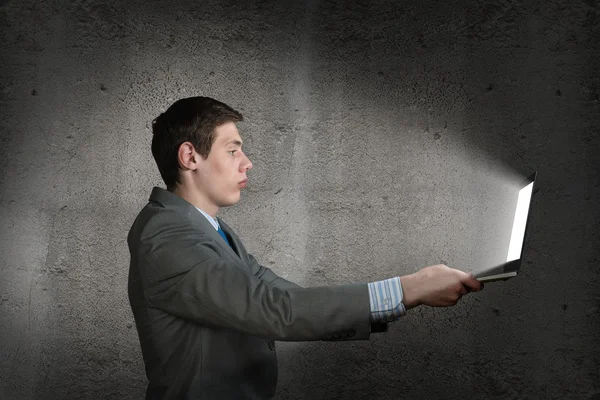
(223, 235)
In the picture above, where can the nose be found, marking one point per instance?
(246, 163)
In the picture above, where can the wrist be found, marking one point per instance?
(410, 298)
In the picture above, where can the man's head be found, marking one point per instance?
(197, 149)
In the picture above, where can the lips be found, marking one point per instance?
(243, 183)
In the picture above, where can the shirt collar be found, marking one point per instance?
(213, 221)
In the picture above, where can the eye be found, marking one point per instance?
(232, 152)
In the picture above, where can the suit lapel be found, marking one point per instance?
(235, 245)
(173, 201)
(197, 217)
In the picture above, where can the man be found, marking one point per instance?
(207, 313)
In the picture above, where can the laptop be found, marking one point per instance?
(512, 265)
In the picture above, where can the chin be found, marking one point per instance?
(231, 201)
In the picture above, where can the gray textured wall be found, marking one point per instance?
(378, 131)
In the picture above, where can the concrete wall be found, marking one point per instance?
(381, 133)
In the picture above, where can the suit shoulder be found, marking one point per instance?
(155, 220)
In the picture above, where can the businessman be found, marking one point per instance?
(207, 313)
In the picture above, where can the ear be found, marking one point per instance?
(187, 157)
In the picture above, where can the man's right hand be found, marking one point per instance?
(437, 286)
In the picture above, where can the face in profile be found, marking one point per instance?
(222, 175)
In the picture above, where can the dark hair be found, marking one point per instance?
(187, 120)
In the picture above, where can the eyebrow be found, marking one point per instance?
(234, 142)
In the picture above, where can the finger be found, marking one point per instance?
(469, 281)
(472, 274)
(457, 298)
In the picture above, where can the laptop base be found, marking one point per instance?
(498, 277)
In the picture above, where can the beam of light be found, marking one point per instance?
(518, 229)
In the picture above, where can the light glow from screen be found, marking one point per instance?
(518, 229)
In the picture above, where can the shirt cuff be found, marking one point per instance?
(386, 300)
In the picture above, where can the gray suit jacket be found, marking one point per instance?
(208, 314)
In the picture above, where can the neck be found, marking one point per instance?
(197, 199)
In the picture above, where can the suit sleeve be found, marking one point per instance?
(267, 275)
(183, 274)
